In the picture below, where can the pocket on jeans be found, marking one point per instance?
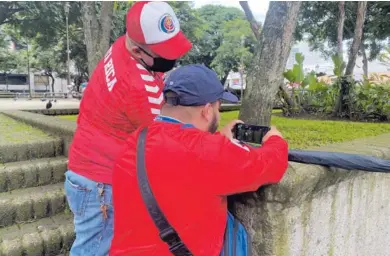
(77, 196)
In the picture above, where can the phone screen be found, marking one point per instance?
(250, 133)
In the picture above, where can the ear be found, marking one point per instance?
(135, 51)
(207, 112)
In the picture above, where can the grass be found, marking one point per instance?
(17, 132)
(69, 117)
(302, 133)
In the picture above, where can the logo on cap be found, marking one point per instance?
(166, 24)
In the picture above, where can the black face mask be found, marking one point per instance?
(159, 64)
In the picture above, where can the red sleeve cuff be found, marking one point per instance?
(275, 139)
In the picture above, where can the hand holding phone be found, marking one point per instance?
(272, 132)
(227, 131)
(250, 133)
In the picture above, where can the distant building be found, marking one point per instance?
(39, 83)
(233, 81)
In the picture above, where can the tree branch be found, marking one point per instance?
(251, 19)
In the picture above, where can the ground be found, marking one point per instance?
(303, 133)
(23, 103)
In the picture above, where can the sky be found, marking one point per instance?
(259, 7)
(312, 59)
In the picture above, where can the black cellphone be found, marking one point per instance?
(250, 133)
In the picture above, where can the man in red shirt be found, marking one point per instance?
(124, 92)
(191, 169)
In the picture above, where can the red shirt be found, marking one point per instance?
(190, 173)
(121, 95)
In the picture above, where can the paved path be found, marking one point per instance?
(11, 104)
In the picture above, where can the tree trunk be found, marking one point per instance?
(255, 29)
(365, 60)
(291, 105)
(342, 105)
(357, 39)
(223, 81)
(263, 82)
(97, 32)
(241, 71)
(340, 29)
(266, 76)
(52, 82)
(340, 51)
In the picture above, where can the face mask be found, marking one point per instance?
(159, 64)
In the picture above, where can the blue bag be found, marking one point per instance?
(237, 241)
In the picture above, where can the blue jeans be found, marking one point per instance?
(91, 204)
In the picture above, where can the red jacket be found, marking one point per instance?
(121, 95)
(190, 172)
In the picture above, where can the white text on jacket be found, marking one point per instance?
(109, 70)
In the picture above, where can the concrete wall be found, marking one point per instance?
(349, 218)
(316, 211)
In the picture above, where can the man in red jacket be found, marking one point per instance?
(190, 168)
(124, 92)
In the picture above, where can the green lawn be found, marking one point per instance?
(302, 133)
(18, 132)
(69, 117)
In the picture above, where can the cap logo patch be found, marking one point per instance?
(166, 24)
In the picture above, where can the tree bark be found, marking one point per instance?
(365, 60)
(340, 29)
(357, 39)
(266, 76)
(97, 32)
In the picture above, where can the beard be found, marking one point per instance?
(213, 127)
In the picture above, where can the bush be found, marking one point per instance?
(368, 100)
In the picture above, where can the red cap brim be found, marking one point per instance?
(172, 49)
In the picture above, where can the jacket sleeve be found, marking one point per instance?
(229, 167)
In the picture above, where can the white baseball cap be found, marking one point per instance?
(156, 25)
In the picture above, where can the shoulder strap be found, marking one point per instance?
(167, 233)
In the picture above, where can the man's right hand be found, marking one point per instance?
(273, 131)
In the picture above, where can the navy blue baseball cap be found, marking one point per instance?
(195, 85)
